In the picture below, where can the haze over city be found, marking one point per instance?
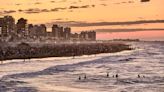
(96, 15)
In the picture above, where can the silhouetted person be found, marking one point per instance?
(79, 78)
(85, 77)
(139, 76)
(73, 56)
(107, 75)
(116, 75)
(143, 76)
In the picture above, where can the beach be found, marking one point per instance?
(61, 74)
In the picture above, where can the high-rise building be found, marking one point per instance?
(88, 35)
(75, 36)
(22, 27)
(37, 30)
(43, 30)
(30, 29)
(67, 33)
(92, 35)
(49, 34)
(84, 35)
(10, 24)
(3, 28)
(7, 25)
(57, 31)
(61, 32)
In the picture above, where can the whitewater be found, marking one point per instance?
(139, 70)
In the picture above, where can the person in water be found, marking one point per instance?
(85, 77)
(107, 74)
(138, 76)
(79, 78)
(116, 75)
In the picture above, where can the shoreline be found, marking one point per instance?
(26, 51)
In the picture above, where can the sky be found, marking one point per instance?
(111, 19)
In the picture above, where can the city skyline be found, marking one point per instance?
(93, 15)
(15, 30)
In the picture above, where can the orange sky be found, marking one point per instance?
(94, 11)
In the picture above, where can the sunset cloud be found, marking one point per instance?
(125, 2)
(7, 12)
(52, 1)
(103, 4)
(85, 24)
(57, 9)
(38, 10)
(17, 4)
(37, 3)
(76, 7)
(32, 10)
(128, 30)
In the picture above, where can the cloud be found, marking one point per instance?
(17, 4)
(124, 2)
(86, 24)
(62, 0)
(130, 1)
(65, 23)
(74, 2)
(57, 9)
(93, 5)
(44, 10)
(7, 12)
(34, 10)
(103, 4)
(52, 1)
(37, 3)
(59, 1)
(84, 6)
(103, 0)
(58, 19)
(38, 10)
(145, 0)
(73, 7)
(128, 30)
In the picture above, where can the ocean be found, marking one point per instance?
(138, 70)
